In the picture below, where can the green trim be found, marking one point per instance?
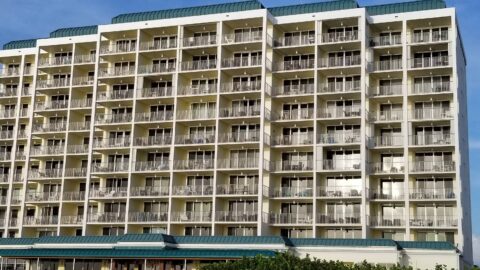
(405, 7)
(313, 7)
(187, 12)
(75, 31)
(20, 44)
(231, 240)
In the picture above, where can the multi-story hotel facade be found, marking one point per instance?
(324, 120)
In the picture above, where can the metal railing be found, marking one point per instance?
(198, 90)
(108, 192)
(53, 83)
(339, 218)
(237, 189)
(387, 115)
(6, 134)
(342, 112)
(387, 167)
(425, 37)
(149, 191)
(432, 194)
(294, 41)
(153, 140)
(161, 165)
(301, 114)
(84, 58)
(110, 167)
(155, 92)
(157, 68)
(5, 155)
(190, 216)
(154, 45)
(428, 62)
(386, 140)
(234, 216)
(73, 196)
(290, 192)
(431, 113)
(233, 87)
(55, 61)
(46, 173)
(240, 112)
(113, 118)
(290, 218)
(140, 217)
(196, 115)
(9, 72)
(386, 221)
(386, 90)
(298, 139)
(294, 65)
(195, 139)
(51, 105)
(340, 164)
(199, 65)
(339, 191)
(347, 61)
(239, 137)
(41, 220)
(432, 139)
(389, 40)
(107, 217)
(111, 142)
(192, 190)
(346, 87)
(47, 150)
(71, 220)
(76, 172)
(301, 89)
(42, 196)
(199, 41)
(432, 166)
(113, 95)
(288, 165)
(78, 126)
(240, 163)
(81, 103)
(434, 221)
(339, 138)
(12, 113)
(379, 194)
(242, 37)
(104, 72)
(154, 116)
(431, 88)
(8, 92)
(118, 48)
(241, 62)
(336, 37)
(205, 164)
(386, 65)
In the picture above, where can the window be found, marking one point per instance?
(298, 38)
(246, 83)
(431, 84)
(111, 231)
(203, 110)
(343, 58)
(293, 62)
(164, 42)
(247, 34)
(242, 231)
(125, 45)
(198, 231)
(296, 136)
(342, 160)
(297, 111)
(297, 161)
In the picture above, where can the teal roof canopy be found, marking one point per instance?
(75, 31)
(313, 7)
(405, 7)
(343, 242)
(186, 12)
(20, 44)
(232, 240)
(426, 245)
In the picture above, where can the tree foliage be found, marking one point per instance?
(288, 261)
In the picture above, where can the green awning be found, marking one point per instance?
(133, 253)
(405, 7)
(20, 44)
(313, 7)
(75, 31)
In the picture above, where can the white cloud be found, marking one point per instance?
(476, 249)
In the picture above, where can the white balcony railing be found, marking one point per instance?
(237, 189)
(154, 116)
(387, 167)
(431, 88)
(387, 115)
(113, 95)
(301, 89)
(290, 218)
(197, 90)
(157, 68)
(113, 118)
(298, 139)
(339, 191)
(234, 216)
(108, 192)
(387, 140)
(432, 139)
(291, 192)
(155, 45)
(386, 90)
(160, 165)
(242, 37)
(107, 217)
(288, 165)
(431, 113)
(432, 166)
(339, 138)
(208, 40)
(233, 87)
(153, 140)
(42, 196)
(192, 190)
(145, 217)
(149, 191)
(336, 62)
(239, 137)
(432, 194)
(110, 167)
(240, 163)
(155, 92)
(386, 221)
(199, 65)
(342, 218)
(340, 112)
(294, 41)
(429, 62)
(189, 216)
(294, 65)
(53, 83)
(55, 61)
(337, 37)
(434, 221)
(386, 65)
(105, 72)
(340, 164)
(390, 40)
(201, 164)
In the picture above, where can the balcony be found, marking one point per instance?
(431, 114)
(387, 115)
(430, 62)
(232, 216)
(341, 112)
(294, 65)
(8, 113)
(199, 65)
(202, 41)
(85, 59)
(386, 65)
(239, 137)
(76, 172)
(195, 139)
(192, 190)
(6, 134)
(383, 41)
(108, 192)
(83, 81)
(432, 194)
(386, 90)
(430, 36)
(145, 217)
(432, 166)
(291, 192)
(41, 220)
(196, 115)
(4, 178)
(339, 191)
(338, 37)
(340, 164)
(13, 222)
(149, 191)
(302, 89)
(431, 139)
(9, 72)
(27, 91)
(383, 221)
(112, 142)
(42, 197)
(347, 87)
(155, 45)
(155, 92)
(104, 72)
(110, 167)
(289, 165)
(237, 62)
(197, 90)
(387, 168)
(431, 88)
(3, 200)
(387, 141)
(290, 218)
(339, 138)
(240, 163)
(113, 118)
(77, 149)
(299, 139)
(304, 40)
(47, 150)
(242, 37)
(8, 92)
(189, 216)
(434, 221)
(144, 166)
(157, 68)
(206, 164)
(339, 219)
(45, 174)
(114, 95)
(4, 156)
(302, 114)
(53, 83)
(154, 116)
(73, 196)
(338, 62)
(118, 48)
(153, 141)
(55, 61)
(379, 194)
(240, 112)
(50, 127)
(71, 220)
(237, 189)
(51, 105)
(107, 217)
(79, 126)
(235, 87)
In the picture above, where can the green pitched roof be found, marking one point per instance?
(343, 242)
(405, 7)
(147, 238)
(426, 245)
(186, 12)
(133, 253)
(20, 44)
(77, 240)
(231, 240)
(75, 31)
(17, 241)
(313, 7)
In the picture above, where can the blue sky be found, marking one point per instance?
(24, 19)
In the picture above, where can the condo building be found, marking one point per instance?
(322, 120)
